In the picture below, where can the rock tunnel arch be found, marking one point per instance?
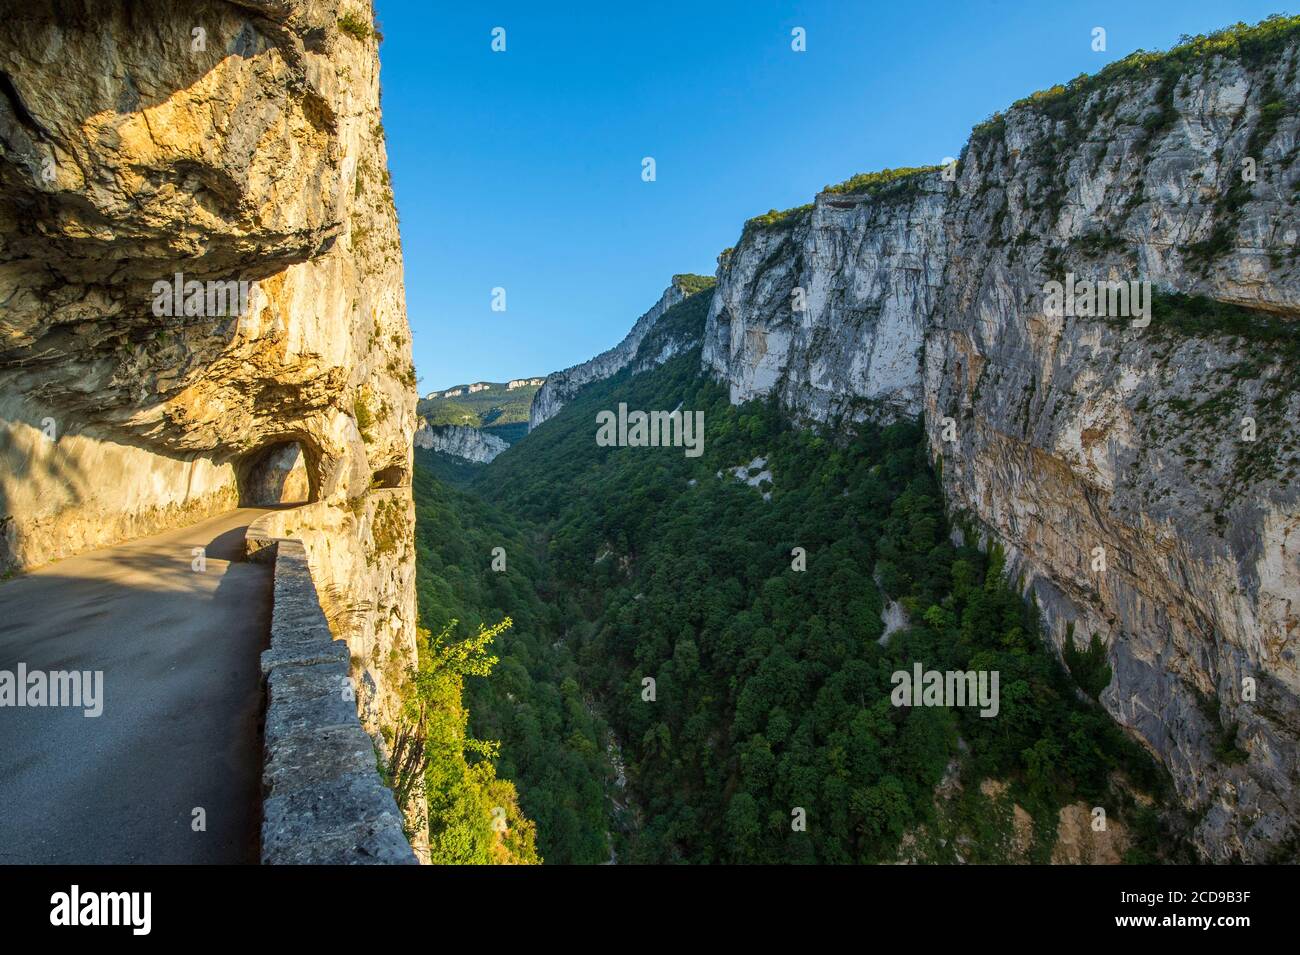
(278, 472)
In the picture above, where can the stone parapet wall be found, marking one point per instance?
(323, 800)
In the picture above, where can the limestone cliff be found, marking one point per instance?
(927, 293)
(177, 142)
(470, 444)
(1076, 433)
(826, 306)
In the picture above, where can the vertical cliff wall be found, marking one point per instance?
(471, 444)
(1078, 433)
(1074, 433)
(228, 142)
(825, 306)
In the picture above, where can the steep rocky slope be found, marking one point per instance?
(926, 292)
(225, 141)
(560, 386)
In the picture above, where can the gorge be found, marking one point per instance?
(1076, 438)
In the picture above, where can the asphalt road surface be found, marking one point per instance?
(181, 697)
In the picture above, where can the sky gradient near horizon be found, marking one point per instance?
(522, 169)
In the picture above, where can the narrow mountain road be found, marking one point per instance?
(181, 696)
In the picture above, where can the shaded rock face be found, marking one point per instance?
(1077, 433)
(276, 476)
(470, 444)
(1074, 434)
(561, 386)
(227, 142)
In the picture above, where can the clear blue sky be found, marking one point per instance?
(522, 169)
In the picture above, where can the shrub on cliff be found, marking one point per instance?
(473, 817)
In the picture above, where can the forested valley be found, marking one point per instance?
(747, 585)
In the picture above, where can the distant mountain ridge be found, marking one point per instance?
(470, 388)
(480, 404)
(475, 421)
(561, 386)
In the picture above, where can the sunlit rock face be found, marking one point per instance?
(469, 444)
(1071, 434)
(222, 142)
(827, 308)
